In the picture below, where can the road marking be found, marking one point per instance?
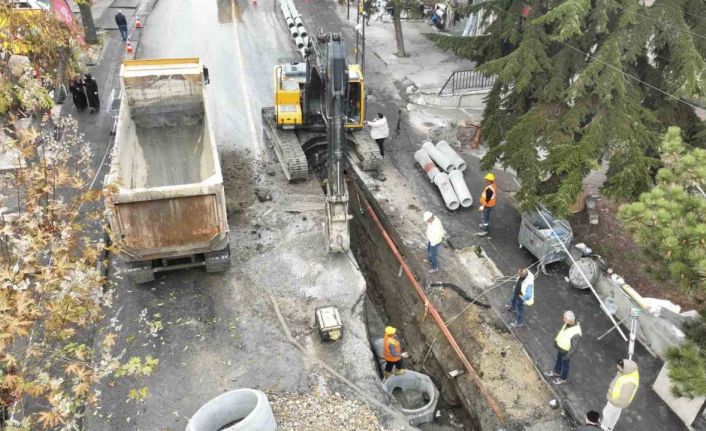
(255, 140)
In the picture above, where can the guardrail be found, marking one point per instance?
(467, 80)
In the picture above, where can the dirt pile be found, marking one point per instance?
(330, 412)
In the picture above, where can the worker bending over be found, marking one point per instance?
(392, 352)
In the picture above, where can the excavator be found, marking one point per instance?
(321, 102)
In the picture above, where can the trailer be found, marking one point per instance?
(164, 192)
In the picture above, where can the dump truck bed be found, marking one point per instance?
(167, 197)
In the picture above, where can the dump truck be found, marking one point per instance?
(164, 192)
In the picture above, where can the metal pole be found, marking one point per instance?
(362, 57)
(348, 9)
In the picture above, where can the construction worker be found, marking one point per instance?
(435, 236)
(392, 352)
(523, 294)
(487, 200)
(621, 392)
(566, 343)
(591, 422)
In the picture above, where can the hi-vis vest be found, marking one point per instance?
(529, 280)
(491, 202)
(563, 338)
(633, 378)
(386, 353)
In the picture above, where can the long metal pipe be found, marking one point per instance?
(435, 314)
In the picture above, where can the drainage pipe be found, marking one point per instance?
(294, 31)
(426, 163)
(449, 152)
(438, 157)
(435, 314)
(447, 191)
(299, 41)
(460, 187)
(303, 32)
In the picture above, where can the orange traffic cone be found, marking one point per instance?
(129, 48)
(138, 24)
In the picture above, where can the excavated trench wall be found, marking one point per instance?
(393, 294)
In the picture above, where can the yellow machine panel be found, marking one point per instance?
(289, 81)
(356, 98)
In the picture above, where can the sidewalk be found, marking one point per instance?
(428, 68)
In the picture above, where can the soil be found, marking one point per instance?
(615, 244)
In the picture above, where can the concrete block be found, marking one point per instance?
(686, 409)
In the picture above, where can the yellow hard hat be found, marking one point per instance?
(390, 330)
(489, 176)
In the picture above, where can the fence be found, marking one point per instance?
(467, 80)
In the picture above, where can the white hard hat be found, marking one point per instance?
(428, 215)
(569, 315)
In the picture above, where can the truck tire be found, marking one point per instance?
(247, 409)
(218, 261)
(139, 272)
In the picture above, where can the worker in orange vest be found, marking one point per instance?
(392, 352)
(487, 200)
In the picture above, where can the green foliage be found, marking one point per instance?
(687, 364)
(669, 221)
(581, 82)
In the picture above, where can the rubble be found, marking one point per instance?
(329, 412)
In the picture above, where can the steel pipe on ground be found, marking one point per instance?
(426, 163)
(447, 191)
(460, 187)
(449, 152)
(438, 157)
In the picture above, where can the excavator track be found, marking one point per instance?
(367, 152)
(286, 146)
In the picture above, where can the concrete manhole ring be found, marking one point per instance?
(237, 410)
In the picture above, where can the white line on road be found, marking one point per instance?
(247, 99)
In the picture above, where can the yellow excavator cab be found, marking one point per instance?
(289, 81)
(355, 105)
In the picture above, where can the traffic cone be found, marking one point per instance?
(129, 48)
(138, 24)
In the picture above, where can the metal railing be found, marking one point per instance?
(467, 80)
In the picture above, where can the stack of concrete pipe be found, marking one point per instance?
(450, 183)
(296, 26)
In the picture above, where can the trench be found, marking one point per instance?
(391, 300)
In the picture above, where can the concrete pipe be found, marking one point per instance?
(290, 21)
(460, 187)
(302, 31)
(447, 191)
(294, 31)
(299, 41)
(249, 409)
(427, 165)
(298, 20)
(416, 394)
(449, 152)
(438, 157)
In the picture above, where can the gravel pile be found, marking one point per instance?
(309, 412)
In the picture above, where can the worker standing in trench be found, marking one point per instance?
(392, 352)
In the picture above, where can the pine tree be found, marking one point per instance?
(669, 221)
(687, 364)
(582, 81)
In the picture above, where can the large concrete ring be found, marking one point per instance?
(246, 409)
(417, 382)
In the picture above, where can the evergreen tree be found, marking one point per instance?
(687, 364)
(582, 81)
(669, 221)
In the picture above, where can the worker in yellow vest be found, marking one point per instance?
(621, 392)
(487, 200)
(392, 352)
(566, 343)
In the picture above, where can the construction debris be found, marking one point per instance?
(330, 412)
